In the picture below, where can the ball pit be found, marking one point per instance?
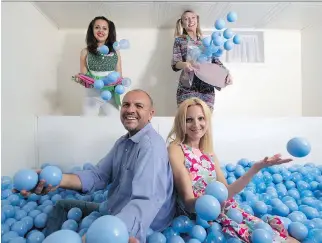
(292, 193)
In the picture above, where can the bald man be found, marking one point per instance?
(138, 171)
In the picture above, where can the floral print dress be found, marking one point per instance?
(202, 172)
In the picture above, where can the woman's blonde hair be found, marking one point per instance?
(179, 31)
(178, 132)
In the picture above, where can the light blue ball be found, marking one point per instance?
(298, 230)
(35, 237)
(261, 236)
(103, 49)
(106, 95)
(116, 46)
(107, 229)
(25, 180)
(52, 175)
(237, 39)
(198, 232)
(228, 45)
(298, 147)
(124, 44)
(157, 237)
(126, 82)
(98, 84)
(220, 24)
(217, 190)
(119, 89)
(207, 207)
(70, 224)
(206, 41)
(217, 40)
(235, 215)
(215, 34)
(228, 33)
(175, 239)
(63, 236)
(112, 77)
(231, 17)
(219, 54)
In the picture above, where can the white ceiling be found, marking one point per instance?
(276, 15)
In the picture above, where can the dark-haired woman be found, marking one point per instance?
(101, 31)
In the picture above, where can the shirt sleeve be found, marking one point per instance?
(176, 54)
(149, 191)
(98, 177)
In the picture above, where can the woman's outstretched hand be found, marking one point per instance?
(271, 161)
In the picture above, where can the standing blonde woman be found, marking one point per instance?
(188, 35)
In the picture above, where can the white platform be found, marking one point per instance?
(71, 141)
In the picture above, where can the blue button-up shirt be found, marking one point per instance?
(141, 191)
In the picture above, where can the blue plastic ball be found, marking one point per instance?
(5, 182)
(235, 215)
(126, 82)
(119, 89)
(237, 39)
(52, 175)
(228, 45)
(206, 41)
(75, 214)
(157, 237)
(228, 33)
(198, 232)
(217, 40)
(207, 207)
(217, 190)
(298, 230)
(70, 224)
(124, 44)
(112, 77)
(298, 147)
(175, 239)
(98, 84)
(103, 49)
(116, 46)
(220, 24)
(35, 237)
(231, 17)
(63, 236)
(25, 180)
(107, 229)
(261, 236)
(219, 54)
(106, 95)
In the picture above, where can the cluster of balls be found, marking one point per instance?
(113, 77)
(221, 39)
(294, 194)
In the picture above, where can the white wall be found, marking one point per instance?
(29, 75)
(269, 89)
(312, 71)
(73, 141)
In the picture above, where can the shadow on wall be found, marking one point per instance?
(70, 94)
(159, 80)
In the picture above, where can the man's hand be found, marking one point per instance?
(133, 240)
(40, 188)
